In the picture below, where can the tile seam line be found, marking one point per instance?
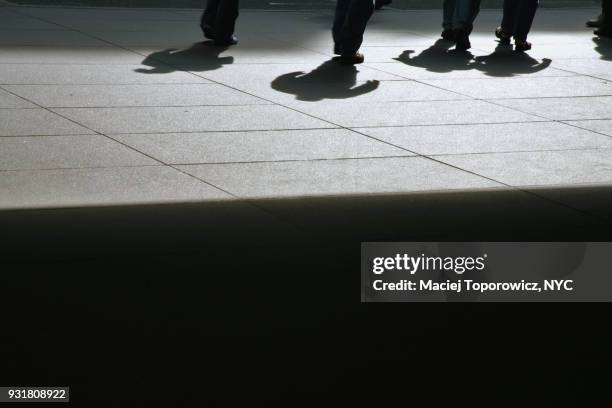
(171, 133)
(405, 156)
(49, 169)
(147, 106)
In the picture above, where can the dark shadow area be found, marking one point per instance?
(604, 47)
(202, 56)
(438, 58)
(504, 62)
(329, 80)
(214, 304)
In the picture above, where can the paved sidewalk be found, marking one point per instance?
(120, 106)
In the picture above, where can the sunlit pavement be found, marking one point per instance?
(111, 107)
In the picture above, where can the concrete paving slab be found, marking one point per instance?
(540, 168)
(505, 137)
(67, 55)
(55, 152)
(133, 95)
(601, 126)
(297, 90)
(348, 114)
(174, 38)
(479, 67)
(102, 13)
(265, 52)
(564, 108)
(135, 26)
(49, 38)
(569, 51)
(11, 101)
(191, 119)
(54, 74)
(108, 186)
(319, 40)
(336, 177)
(26, 23)
(189, 148)
(600, 68)
(432, 58)
(264, 74)
(36, 122)
(527, 87)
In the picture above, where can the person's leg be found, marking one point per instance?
(596, 22)
(506, 29)
(342, 7)
(465, 14)
(474, 10)
(508, 24)
(352, 28)
(225, 22)
(606, 23)
(448, 12)
(526, 14)
(207, 22)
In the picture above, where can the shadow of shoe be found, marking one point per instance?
(504, 62)
(202, 56)
(330, 80)
(438, 58)
(603, 46)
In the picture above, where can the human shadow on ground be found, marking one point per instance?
(329, 80)
(438, 58)
(202, 56)
(604, 47)
(504, 62)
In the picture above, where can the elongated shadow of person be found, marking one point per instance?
(438, 58)
(202, 56)
(504, 62)
(604, 47)
(329, 80)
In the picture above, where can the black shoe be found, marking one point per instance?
(503, 37)
(604, 32)
(448, 35)
(378, 4)
(228, 41)
(208, 32)
(462, 40)
(521, 46)
(350, 59)
(595, 22)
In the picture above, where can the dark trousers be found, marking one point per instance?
(349, 24)
(518, 17)
(220, 16)
(460, 14)
(606, 11)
